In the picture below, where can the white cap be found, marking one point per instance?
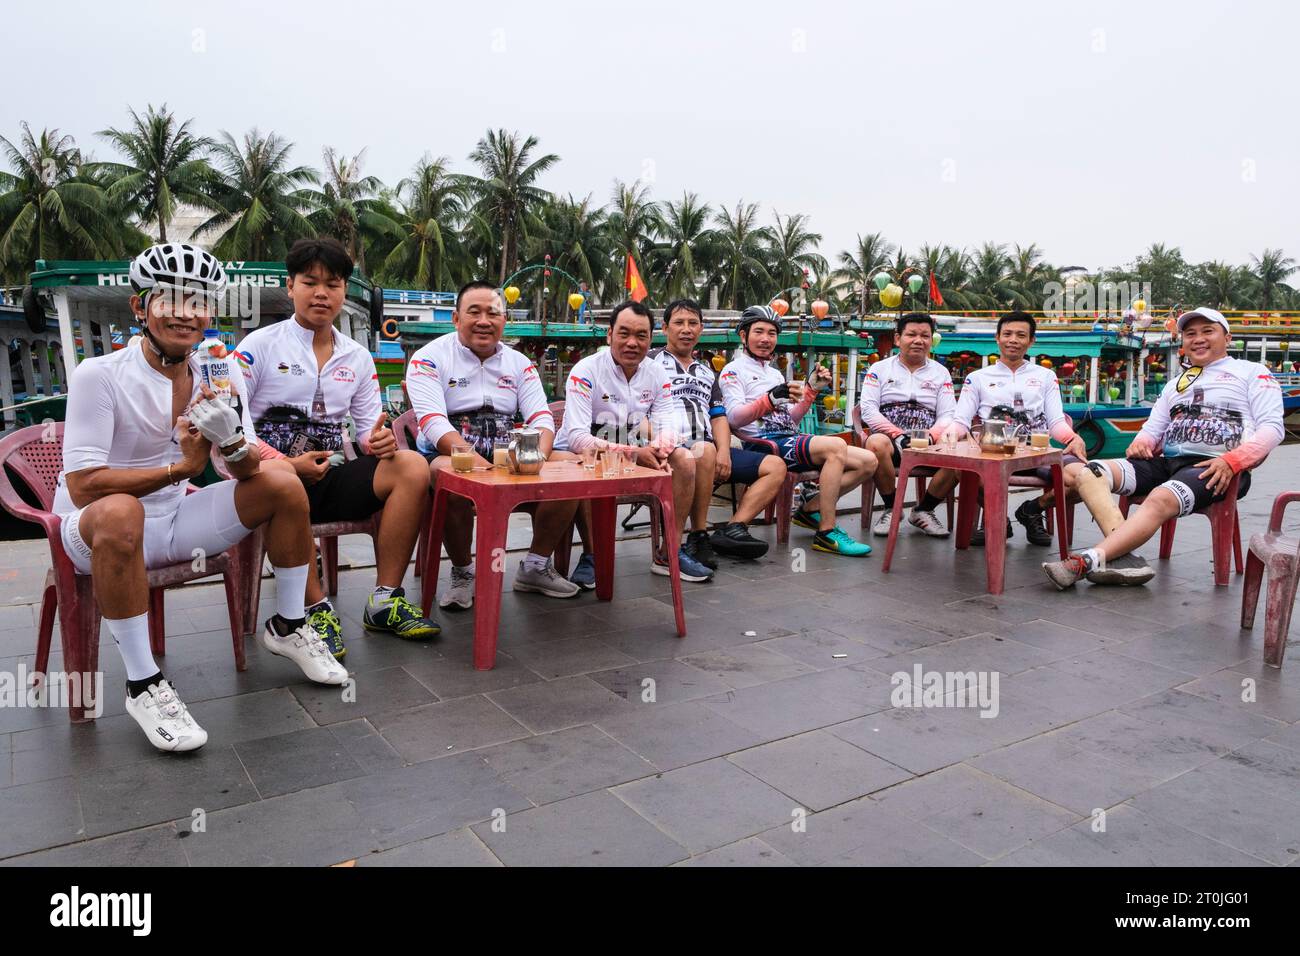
(1210, 315)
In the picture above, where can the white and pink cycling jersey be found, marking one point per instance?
(751, 412)
(896, 399)
(601, 404)
(452, 390)
(1027, 395)
(1230, 408)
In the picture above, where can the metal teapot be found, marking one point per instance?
(997, 431)
(525, 452)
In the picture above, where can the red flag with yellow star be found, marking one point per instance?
(632, 281)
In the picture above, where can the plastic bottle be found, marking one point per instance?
(214, 364)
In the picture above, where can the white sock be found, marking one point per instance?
(132, 636)
(380, 595)
(290, 592)
(1093, 558)
(535, 562)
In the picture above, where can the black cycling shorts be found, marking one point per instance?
(346, 492)
(1141, 476)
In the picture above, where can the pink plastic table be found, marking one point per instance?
(993, 471)
(496, 493)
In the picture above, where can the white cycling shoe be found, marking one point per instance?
(165, 719)
(305, 648)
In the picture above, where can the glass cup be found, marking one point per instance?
(589, 457)
(920, 438)
(628, 461)
(948, 439)
(976, 434)
(462, 457)
(501, 453)
(1040, 440)
(609, 464)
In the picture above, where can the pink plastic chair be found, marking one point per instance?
(35, 455)
(1280, 555)
(1225, 530)
(922, 476)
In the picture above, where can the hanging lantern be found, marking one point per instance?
(936, 339)
(829, 403)
(1076, 391)
(993, 359)
(575, 301)
(1160, 377)
(1046, 363)
(891, 296)
(881, 279)
(914, 282)
(511, 294)
(780, 306)
(1067, 369)
(819, 309)
(1113, 391)
(1171, 325)
(1139, 306)
(873, 357)
(718, 363)
(1239, 343)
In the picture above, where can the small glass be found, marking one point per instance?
(948, 439)
(609, 463)
(628, 459)
(920, 439)
(501, 453)
(1040, 440)
(462, 458)
(976, 434)
(589, 457)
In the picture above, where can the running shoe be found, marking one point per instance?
(807, 519)
(305, 648)
(977, 536)
(735, 541)
(1126, 570)
(1066, 573)
(324, 620)
(698, 547)
(880, 527)
(928, 522)
(460, 594)
(688, 569)
(836, 541)
(165, 719)
(584, 575)
(398, 616)
(547, 581)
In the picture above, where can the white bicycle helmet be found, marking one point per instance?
(177, 264)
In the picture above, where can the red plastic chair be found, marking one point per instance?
(1225, 530)
(1280, 555)
(405, 429)
(35, 455)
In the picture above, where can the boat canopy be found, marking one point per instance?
(1054, 344)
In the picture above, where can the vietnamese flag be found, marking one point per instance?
(632, 281)
(935, 297)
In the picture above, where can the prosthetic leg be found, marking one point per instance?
(1093, 486)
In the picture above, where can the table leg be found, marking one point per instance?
(433, 550)
(603, 514)
(900, 492)
(995, 530)
(674, 575)
(967, 508)
(1058, 495)
(492, 519)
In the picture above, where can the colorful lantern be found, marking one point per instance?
(829, 403)
(914, 282)
(718, 363)
(1046, 363)
(1113, 391)
(1067, 369)
(1076, 390)
(881, 279)
(780, 306)
(1139, 306)
(891, 296)
(993, 359)
(575, 301)
(819, 309)
(511, 293)
(937, 339)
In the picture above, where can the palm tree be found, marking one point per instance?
(577, 236)
(1271, 269)
(165, 165)
(951, 270)
(741, 275)
(507, 192)
(48, 208)
(634, 219)
(1027, 276)
(989, 282)
(687, 248)
(858, 265)
(261, 200)
(348, 206)
(432, 204)
(1166, 270)
(794, 252)
(1221, 284)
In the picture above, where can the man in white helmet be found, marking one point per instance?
(1218, 419)
(140, 423)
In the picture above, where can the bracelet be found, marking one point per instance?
(170, 479)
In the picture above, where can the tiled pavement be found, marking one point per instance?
(766, 737)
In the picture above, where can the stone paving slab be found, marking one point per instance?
(1133, 727)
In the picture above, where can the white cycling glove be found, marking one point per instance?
(217, 421)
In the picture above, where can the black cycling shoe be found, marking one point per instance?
(977, 536)
(698, 547)
(735, 541)
(1035, 525)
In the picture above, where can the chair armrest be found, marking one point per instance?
(1279, 506)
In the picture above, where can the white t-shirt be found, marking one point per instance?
(446, 382)
(745, 380)
(287, 394)
(119, 415)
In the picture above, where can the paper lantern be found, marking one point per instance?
(829, 402)
(1046, 363)
(914, 282)
(844, 402)
(575, 301)
(993, 359)
(1076, 390)
(779, 306)
(1171, 324)
(881, 279)
(718, 363)
(511, 293)
(1239, 344)
(1160, 377)
(1113, 391)
(936, 339)
(891, 296)
(873, 357)
(819, 309)
(1067, 369)
(1139, 306)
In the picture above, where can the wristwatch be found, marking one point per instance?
(237, 455)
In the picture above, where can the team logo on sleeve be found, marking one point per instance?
(530, 373)
(728, 376)
(580, 385)
(873, 377)
(245, 360)
(423, 367)
(344, 374)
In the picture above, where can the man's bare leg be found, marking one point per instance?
(706, 457)
(401, 483)
(771, 475)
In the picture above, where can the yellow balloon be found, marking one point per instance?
(575, 301)
(511, 292)
(891, 296)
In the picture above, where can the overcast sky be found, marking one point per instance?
(1092, 129)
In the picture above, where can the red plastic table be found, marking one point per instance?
(993, 471)
(496, 493)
